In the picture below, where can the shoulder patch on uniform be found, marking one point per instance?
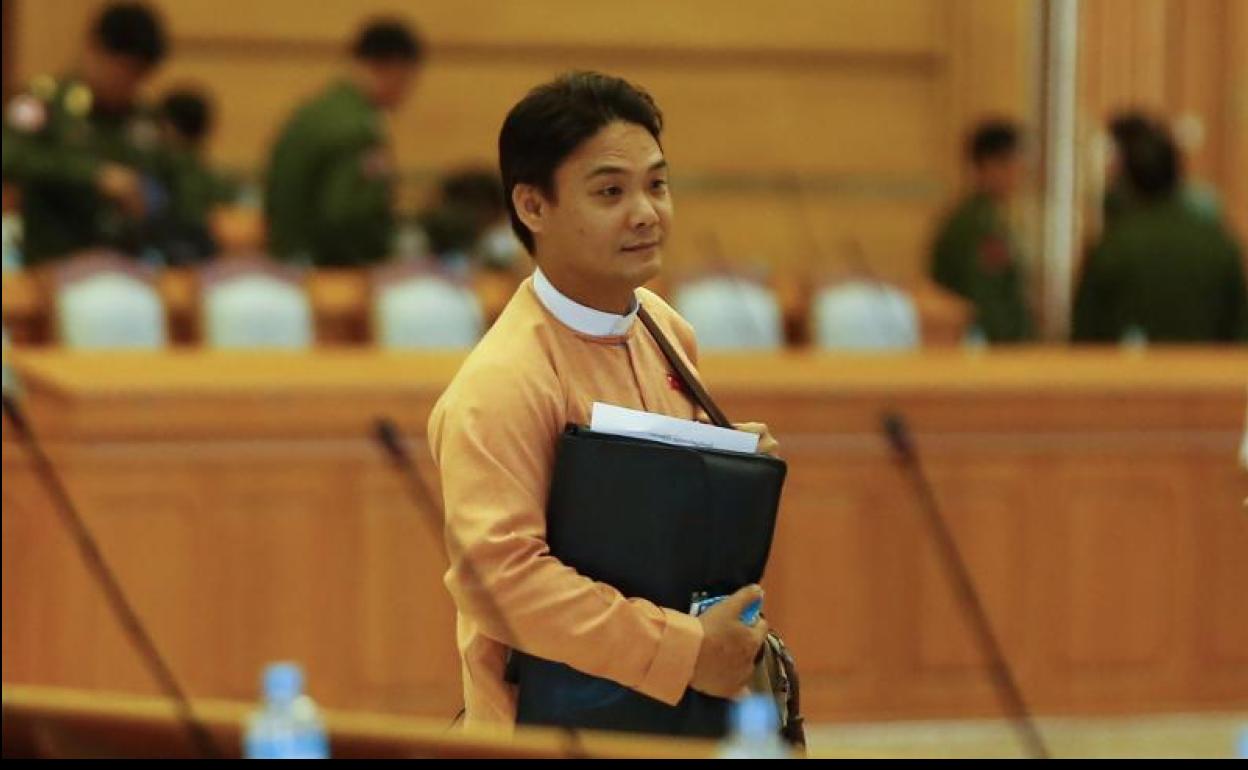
(27, 114)
(78, 100)
(994, 254)
(43, 87)
(376, 162)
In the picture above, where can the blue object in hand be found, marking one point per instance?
(749, 615)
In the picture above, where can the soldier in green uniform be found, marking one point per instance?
(330, 178)
(84, 153)
(1124, 128)
(1162, 271)
(195, 188)
(975, 253)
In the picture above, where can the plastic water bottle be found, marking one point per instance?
(755, 731)
(287, 726)
(1134, 339)
(975, 341)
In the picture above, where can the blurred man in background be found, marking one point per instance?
(1163, 270)
(331, 175)
(975, 253)
(467, 225)
(83, 151)
(1125, 128)
(196, 190)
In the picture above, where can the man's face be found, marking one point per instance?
(611, 214)
(115, 78)
(1002, 175)
(393, 82)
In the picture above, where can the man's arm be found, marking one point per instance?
(493, 444)
(1090, 320)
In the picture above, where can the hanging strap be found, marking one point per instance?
(686, 377)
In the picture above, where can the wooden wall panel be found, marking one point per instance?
(994, 540)
(890, 26)
(1182, 60)
(1120, 566)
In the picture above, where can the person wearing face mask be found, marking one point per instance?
(585, 180)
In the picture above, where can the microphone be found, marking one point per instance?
(387, 434)
(422, 498)
(131, 624)
(899, 438)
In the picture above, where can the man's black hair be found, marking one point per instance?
(554, 119)
(388, 40)
(133, 30)
(992, 139)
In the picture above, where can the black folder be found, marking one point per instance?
(656, 521)
(662, 522)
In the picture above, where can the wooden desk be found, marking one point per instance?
(1094, 493)
(58, 723)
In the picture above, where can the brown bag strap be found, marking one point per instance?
(686, 377)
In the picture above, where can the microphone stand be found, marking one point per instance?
(89, 549)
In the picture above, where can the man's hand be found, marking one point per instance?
(123, 186)
(729, 647)
(767, 443)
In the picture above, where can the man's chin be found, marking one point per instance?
(645, 272)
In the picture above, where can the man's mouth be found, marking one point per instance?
(642, 246)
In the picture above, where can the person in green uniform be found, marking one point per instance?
(975, 253)
(462, 222)
(196, 189)
(330, 177)
(1162, 271)
(1124, 128)
(83, 151)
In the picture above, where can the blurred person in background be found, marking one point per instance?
(1124, 128)
(196, 189)
(330, 181)
(468, 226)
(1162, 270)
(975, 253)
(82, 149)
(479, 193)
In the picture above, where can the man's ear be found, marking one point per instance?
(531, 206)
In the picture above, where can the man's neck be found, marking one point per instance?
(364, 82)
(997, 198)
(618, 301)
(579, 317)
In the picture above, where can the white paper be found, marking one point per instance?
(619, 421)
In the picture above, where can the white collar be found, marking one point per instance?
(585, 320)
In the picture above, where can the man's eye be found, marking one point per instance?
(658, 184)
(610, 192)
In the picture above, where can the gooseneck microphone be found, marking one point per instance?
(899, 438)
(99, 570)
